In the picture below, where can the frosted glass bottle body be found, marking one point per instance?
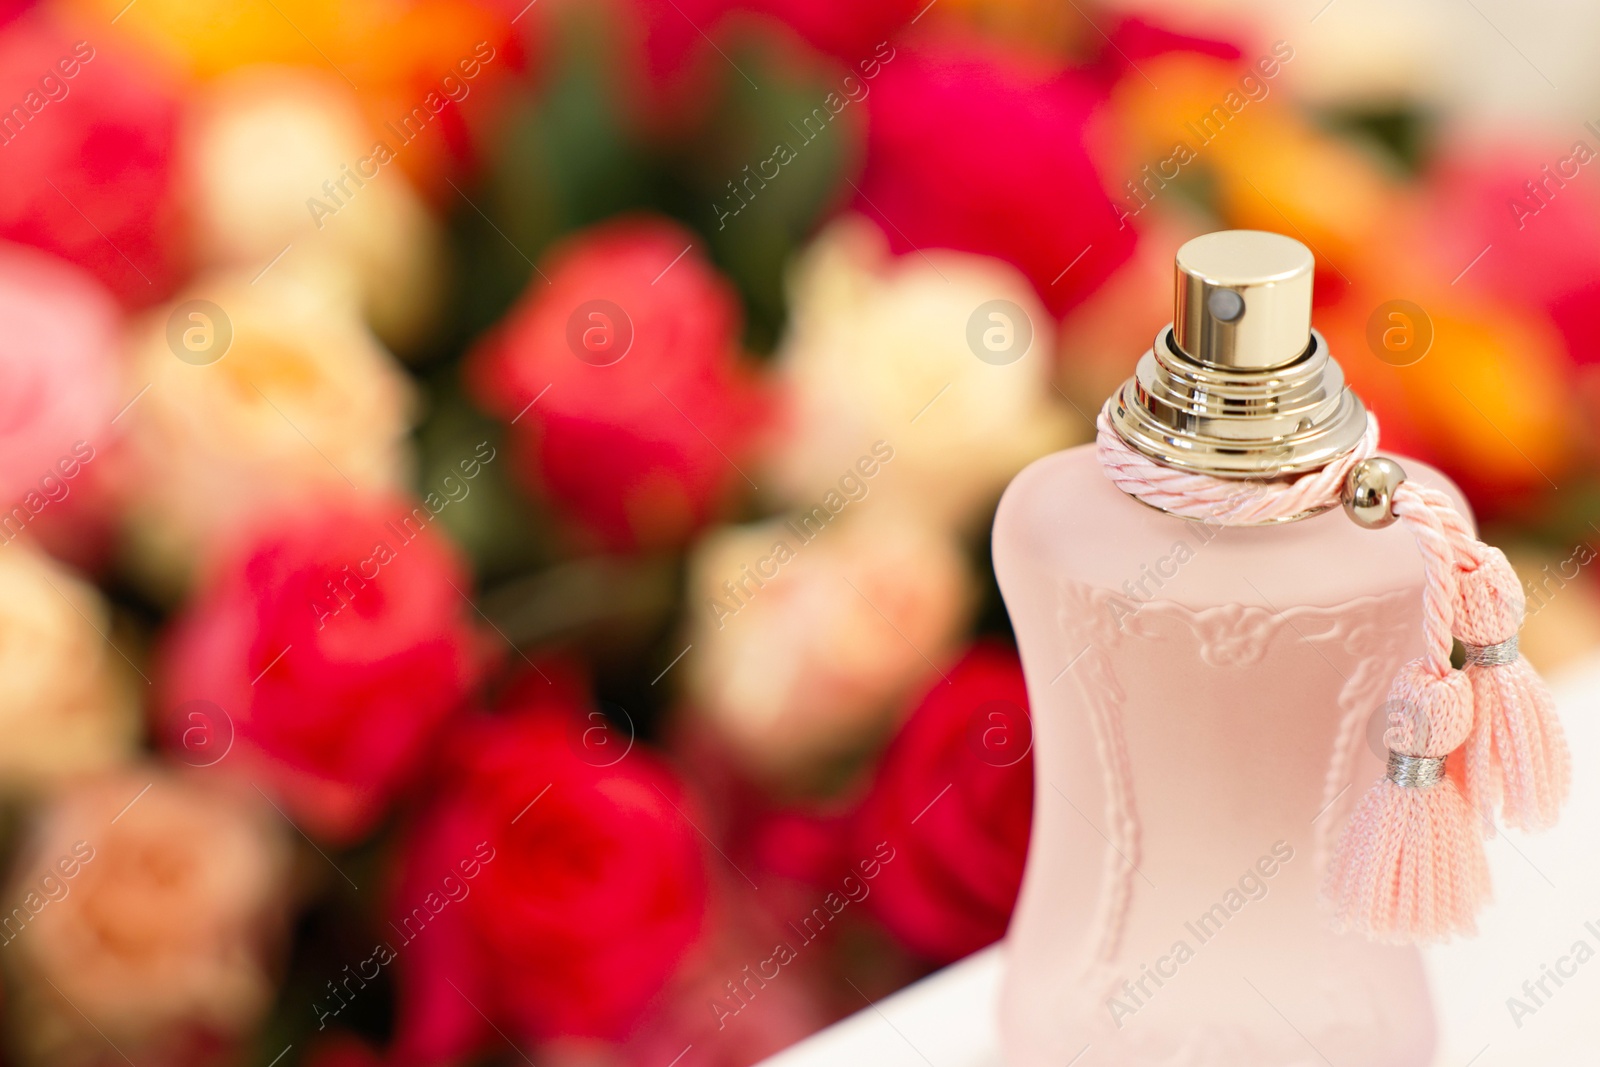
(1207, 709)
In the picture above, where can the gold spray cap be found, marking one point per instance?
(1243, 299)
(1240, 385)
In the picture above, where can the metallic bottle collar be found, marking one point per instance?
(1240, 386)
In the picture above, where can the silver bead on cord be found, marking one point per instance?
(1369, 490)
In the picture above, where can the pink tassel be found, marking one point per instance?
(1410, 865)
(1517, 753)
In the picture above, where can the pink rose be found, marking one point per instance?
(60, 358)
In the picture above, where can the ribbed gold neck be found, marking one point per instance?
(1240, 386)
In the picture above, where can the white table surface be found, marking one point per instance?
(1547, 888)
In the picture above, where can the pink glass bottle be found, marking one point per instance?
(1206, 704)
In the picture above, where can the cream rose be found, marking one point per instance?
(151, 904)
(67, 705)
(304, 401)
(805, 635)
(277, 158)
(944, 355)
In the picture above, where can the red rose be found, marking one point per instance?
(846, 29)
(671, 77)
(983, 152)
(954, 798)
(628, 355)
(88, 163)
(1524, 226)
(328, 653)
(342, 1050)
(678, 53)
(777, 1004)
(13, 9)
(554, 884)
(1132, 39)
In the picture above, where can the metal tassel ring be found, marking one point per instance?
(1415, 772)
(1493, 655)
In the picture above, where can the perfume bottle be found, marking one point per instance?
(1208, 708)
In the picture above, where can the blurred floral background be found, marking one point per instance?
(494, 559)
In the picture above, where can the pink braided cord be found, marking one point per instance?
(1442, 533)
(1226, 502)
(1409, 866)
(1421, 514)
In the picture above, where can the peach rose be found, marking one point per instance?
(278, 158)
(149, 905)
(801, 647)
(67, 705)
(944, 355)
(301, 399)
